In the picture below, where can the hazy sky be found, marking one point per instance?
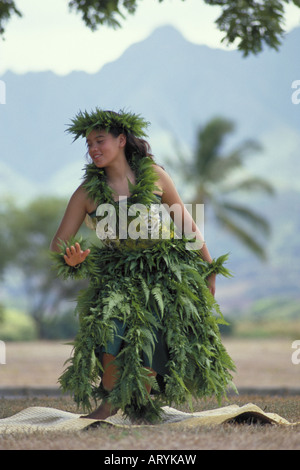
(49, 37)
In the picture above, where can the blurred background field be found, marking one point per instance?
(263, 364)
(260, 342)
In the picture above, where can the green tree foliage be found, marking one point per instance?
(7, 9)
(217, 183)
(26, 234)
(252, 23)
(95, 12)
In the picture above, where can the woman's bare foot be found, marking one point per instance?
(104, 411)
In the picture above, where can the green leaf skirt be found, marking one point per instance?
(150, 307)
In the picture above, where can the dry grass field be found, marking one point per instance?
(265, 375)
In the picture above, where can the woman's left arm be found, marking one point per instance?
(179, 213)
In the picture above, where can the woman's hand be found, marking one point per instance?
(211, 283)
(74, 255)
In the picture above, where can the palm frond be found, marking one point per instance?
(254, 183)
(256, 221)
(242, 235)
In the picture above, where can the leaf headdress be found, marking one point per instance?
(84, 122)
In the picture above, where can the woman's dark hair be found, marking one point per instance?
(134, 145)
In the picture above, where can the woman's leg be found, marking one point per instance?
(109, 377)
(151, 374)
(110, 372)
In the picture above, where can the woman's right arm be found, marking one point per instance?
(69, 226)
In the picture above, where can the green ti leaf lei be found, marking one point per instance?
(95, 183)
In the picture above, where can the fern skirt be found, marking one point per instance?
(156, 362)
(149, 307)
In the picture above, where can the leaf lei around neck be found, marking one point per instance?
(142, 192)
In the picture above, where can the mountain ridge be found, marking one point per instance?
(175, 84)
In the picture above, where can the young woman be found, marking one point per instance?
(148, 320)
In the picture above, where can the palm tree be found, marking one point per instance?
(214, 176)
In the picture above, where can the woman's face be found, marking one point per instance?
(104, 149)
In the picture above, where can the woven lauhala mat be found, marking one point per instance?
(43, 419)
